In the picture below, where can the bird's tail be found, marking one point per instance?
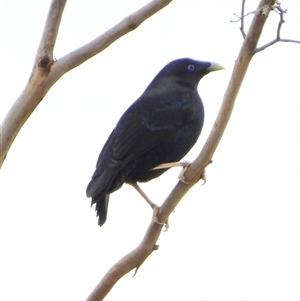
(100, 198)
(103, 183)
(101, 207)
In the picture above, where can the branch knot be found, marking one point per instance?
(45, 63)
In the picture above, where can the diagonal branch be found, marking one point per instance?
(135, 258)
(129, 23)
(47, 72)
(246, 53)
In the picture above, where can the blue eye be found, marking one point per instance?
(191, 67)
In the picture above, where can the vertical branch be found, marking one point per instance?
(242, 19)
(281, 21)
(35, 88)
(51, 28)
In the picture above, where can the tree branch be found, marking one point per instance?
(135, 258)
(277, 8)
(36, 88)
(51, 28)
(46, 72)
(92, 48)
(242, 19)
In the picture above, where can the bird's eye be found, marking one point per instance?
(191, 67)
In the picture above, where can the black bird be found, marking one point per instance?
(161, 126)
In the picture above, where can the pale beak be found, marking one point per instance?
(215, 67)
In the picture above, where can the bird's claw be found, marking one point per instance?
(155, 219)
(203, 177)
(182, 178)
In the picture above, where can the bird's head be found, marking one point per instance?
(187, 71)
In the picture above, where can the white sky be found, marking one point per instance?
(236, 238)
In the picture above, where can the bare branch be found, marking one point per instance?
(278, 9)
(48, 39)
(46, 72)
(242, 28)
(132, 260)
(258, 49)
(195, 171)
(275, 7)
(92, 48)
(36, 87)
(242, 19)
(246, 53)
(239, 18)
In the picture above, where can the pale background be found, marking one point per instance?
(236, 238)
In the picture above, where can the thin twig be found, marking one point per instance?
(242, 19)
(278, 9)
(242, 28)
(258, 49)
(239, 18)
(275, 6)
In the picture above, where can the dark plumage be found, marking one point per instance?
(159, 127)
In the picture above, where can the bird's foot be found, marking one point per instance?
(155, 219)
(182, 178)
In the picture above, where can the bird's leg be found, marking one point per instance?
(143, 194)
(171, 164)
(152, 205)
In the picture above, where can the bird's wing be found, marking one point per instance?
(151, 119)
